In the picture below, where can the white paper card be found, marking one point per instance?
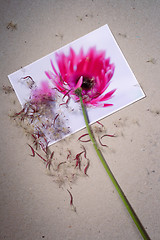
(123, 80)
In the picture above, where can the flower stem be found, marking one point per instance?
(114, 181)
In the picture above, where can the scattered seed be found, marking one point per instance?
(35, 142)
(33, 152)
(8, 89)
(29, 81)
(86, 168)
(55, 118)
(51, 155)
(69, 154)
(86, 134)
(61, 91)
(65, 103)
(71, 200)
(152, 60)
(60, 164)
(41, 157)
(17, 114)
(77, 158)
(66, 94)
(12, 26)
(104, 145)
(48, 164)
(84, 151)
(100, 123)
(107, 135)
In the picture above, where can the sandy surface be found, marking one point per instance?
(32, 206)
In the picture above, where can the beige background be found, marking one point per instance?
(32, 206)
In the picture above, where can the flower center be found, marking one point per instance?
(87, 83)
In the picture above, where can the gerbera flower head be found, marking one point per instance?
(91, 71)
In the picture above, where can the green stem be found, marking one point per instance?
(114, 181)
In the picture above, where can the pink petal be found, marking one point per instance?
(107, 95)
(48, 74)
(53, 67)
(79, 83)
(103, 97)
(107, 105)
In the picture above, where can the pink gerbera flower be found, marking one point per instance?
(91, 71)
